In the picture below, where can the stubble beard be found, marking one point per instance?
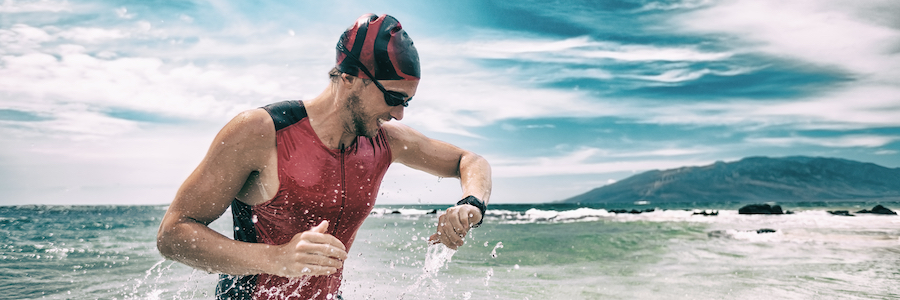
(358, 117)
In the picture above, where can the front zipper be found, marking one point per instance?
(343, 192)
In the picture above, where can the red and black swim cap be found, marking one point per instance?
(381, 44)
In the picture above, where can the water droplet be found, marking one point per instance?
(494, 251)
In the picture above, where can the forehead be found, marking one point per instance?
(407, 87)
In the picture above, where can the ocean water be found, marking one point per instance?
(522, 252)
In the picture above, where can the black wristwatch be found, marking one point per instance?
(472, 200)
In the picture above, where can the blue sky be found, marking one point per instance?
(115, 102)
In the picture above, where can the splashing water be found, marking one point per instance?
(146, 276)
(438, 256)
(487, 279)
(154, 285)
(286, 291)
(494, 251)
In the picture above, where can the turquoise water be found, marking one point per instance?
(522, 252)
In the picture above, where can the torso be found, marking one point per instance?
(304, 183)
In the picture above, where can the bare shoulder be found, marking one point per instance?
(250, 135)
(254, 124)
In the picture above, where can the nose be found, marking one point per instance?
(397, 112)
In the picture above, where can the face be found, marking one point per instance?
(368, 109)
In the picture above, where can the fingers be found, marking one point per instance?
(453, 226)
(321, 238)
(322, 249)
(313, 252)
(319, 260)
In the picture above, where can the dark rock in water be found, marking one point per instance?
(633, 211)
(840, 213)
(878, 209)
(432, 212)
(760, 209)
(396, 212)
(733, 234)
(713, 213)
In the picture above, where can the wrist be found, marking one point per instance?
(474, 201)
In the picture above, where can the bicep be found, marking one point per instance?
(417, 151)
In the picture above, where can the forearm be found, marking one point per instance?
(475, 176)
(196, 245)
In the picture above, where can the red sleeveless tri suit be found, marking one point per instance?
(316, 183)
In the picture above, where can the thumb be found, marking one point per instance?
(321, 228)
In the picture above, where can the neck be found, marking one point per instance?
(330, 120)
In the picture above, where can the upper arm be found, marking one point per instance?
(239, 149)
(415, 150)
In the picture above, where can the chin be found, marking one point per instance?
(370, 132)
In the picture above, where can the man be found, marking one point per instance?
(301, 177)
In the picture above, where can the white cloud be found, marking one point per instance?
(829, 33)
(12, 6)
(146, 84)
(576, 50)
(91, 35)
(687, 4)
(837, 34)
(593, 161)
(591, 168)
(847, 141)
(857, 107)
(21, 38)
(122, 12)
(683, 75)
(457, 94)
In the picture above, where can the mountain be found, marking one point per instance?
(797, 178)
